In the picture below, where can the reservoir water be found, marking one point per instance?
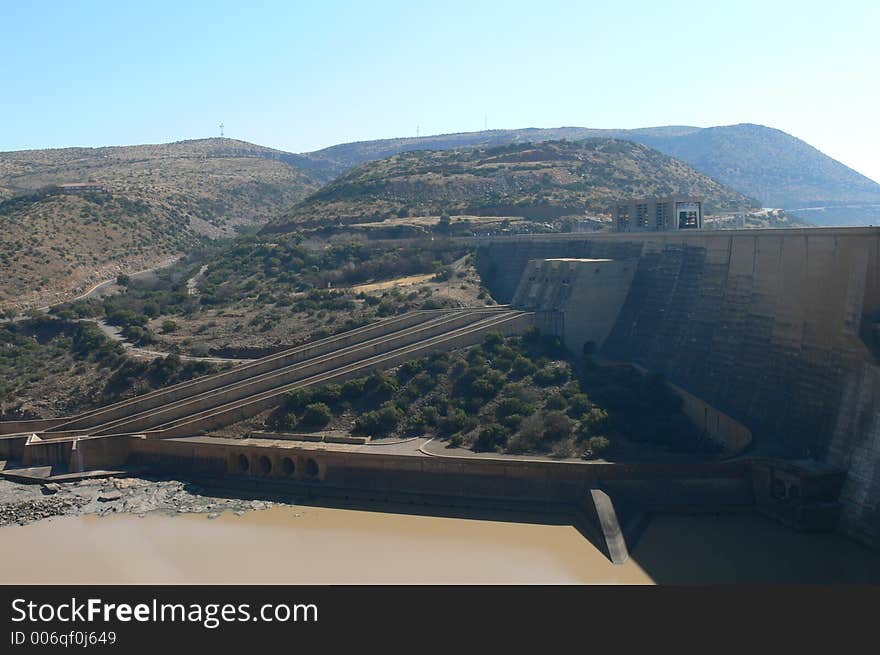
(318, 545)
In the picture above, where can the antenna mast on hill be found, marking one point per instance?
(221, 130)
(417, 131)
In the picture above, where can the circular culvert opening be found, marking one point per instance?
(288, 466)
(265, 465)
(312, 468)
(243, 463)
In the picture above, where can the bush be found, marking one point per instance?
(488, 385)
(596, 446)
(531, 430)
(328, 393)
(455, 421)
(316, 416)
(578, 405)
(557, 426)
(168, 327)
(409, 369)
(380, 386)
(593, 422)
(552, 375)
(556, 401)
(353, 389)
(522, 367)
(283, 421)
(378, 423)
(512, 407)
(438, 362)
(297, 399)
(491, 437)
(492, 341)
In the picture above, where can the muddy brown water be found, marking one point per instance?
(314, 545)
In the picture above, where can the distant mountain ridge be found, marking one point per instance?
(537, 181)
(761, 162)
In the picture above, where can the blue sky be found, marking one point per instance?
(300, 76)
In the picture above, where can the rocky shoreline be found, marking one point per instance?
(21, 504)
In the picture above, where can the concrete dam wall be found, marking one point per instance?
(777, 328)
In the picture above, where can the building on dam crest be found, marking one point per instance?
(659, 214)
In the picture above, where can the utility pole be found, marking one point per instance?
(221, 130)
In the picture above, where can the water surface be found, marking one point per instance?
(317, 545)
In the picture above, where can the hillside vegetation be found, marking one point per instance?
(513, 395)
(51, 367)
(760, 162)
(537, 181)
(155, 201)
(254, 295)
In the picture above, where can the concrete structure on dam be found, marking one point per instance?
(775, 328)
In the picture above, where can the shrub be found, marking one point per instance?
(552, 375)
(283, 421)
(593, 422)
(455, 421)
(513, 406)
(380, 386)
(578, 405)
(297, 399)
(522, 367)
(596, 446)
(531, 431)
(168, 327)
(438, 362)
(491, 437)
(353, 389)
(458, 369)
(556, 401)
(488, 385)
(409, 369)
(492, 341)
(316, 416)
(378, 423)
(328, 393)
(557, 426)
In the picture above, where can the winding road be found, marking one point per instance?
(115, 333)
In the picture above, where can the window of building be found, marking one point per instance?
(688, 220)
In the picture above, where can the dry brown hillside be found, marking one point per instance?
(154, 202)
(536, 181)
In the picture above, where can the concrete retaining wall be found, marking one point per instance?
(21, 427)
(385, 475)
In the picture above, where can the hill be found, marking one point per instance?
(145, 204)
(776, 168)
(761, 162)
(537, 181)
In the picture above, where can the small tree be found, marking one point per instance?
(444, 224)
(492, 437)
(596, 446)
(316, 416)
(557, 426)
